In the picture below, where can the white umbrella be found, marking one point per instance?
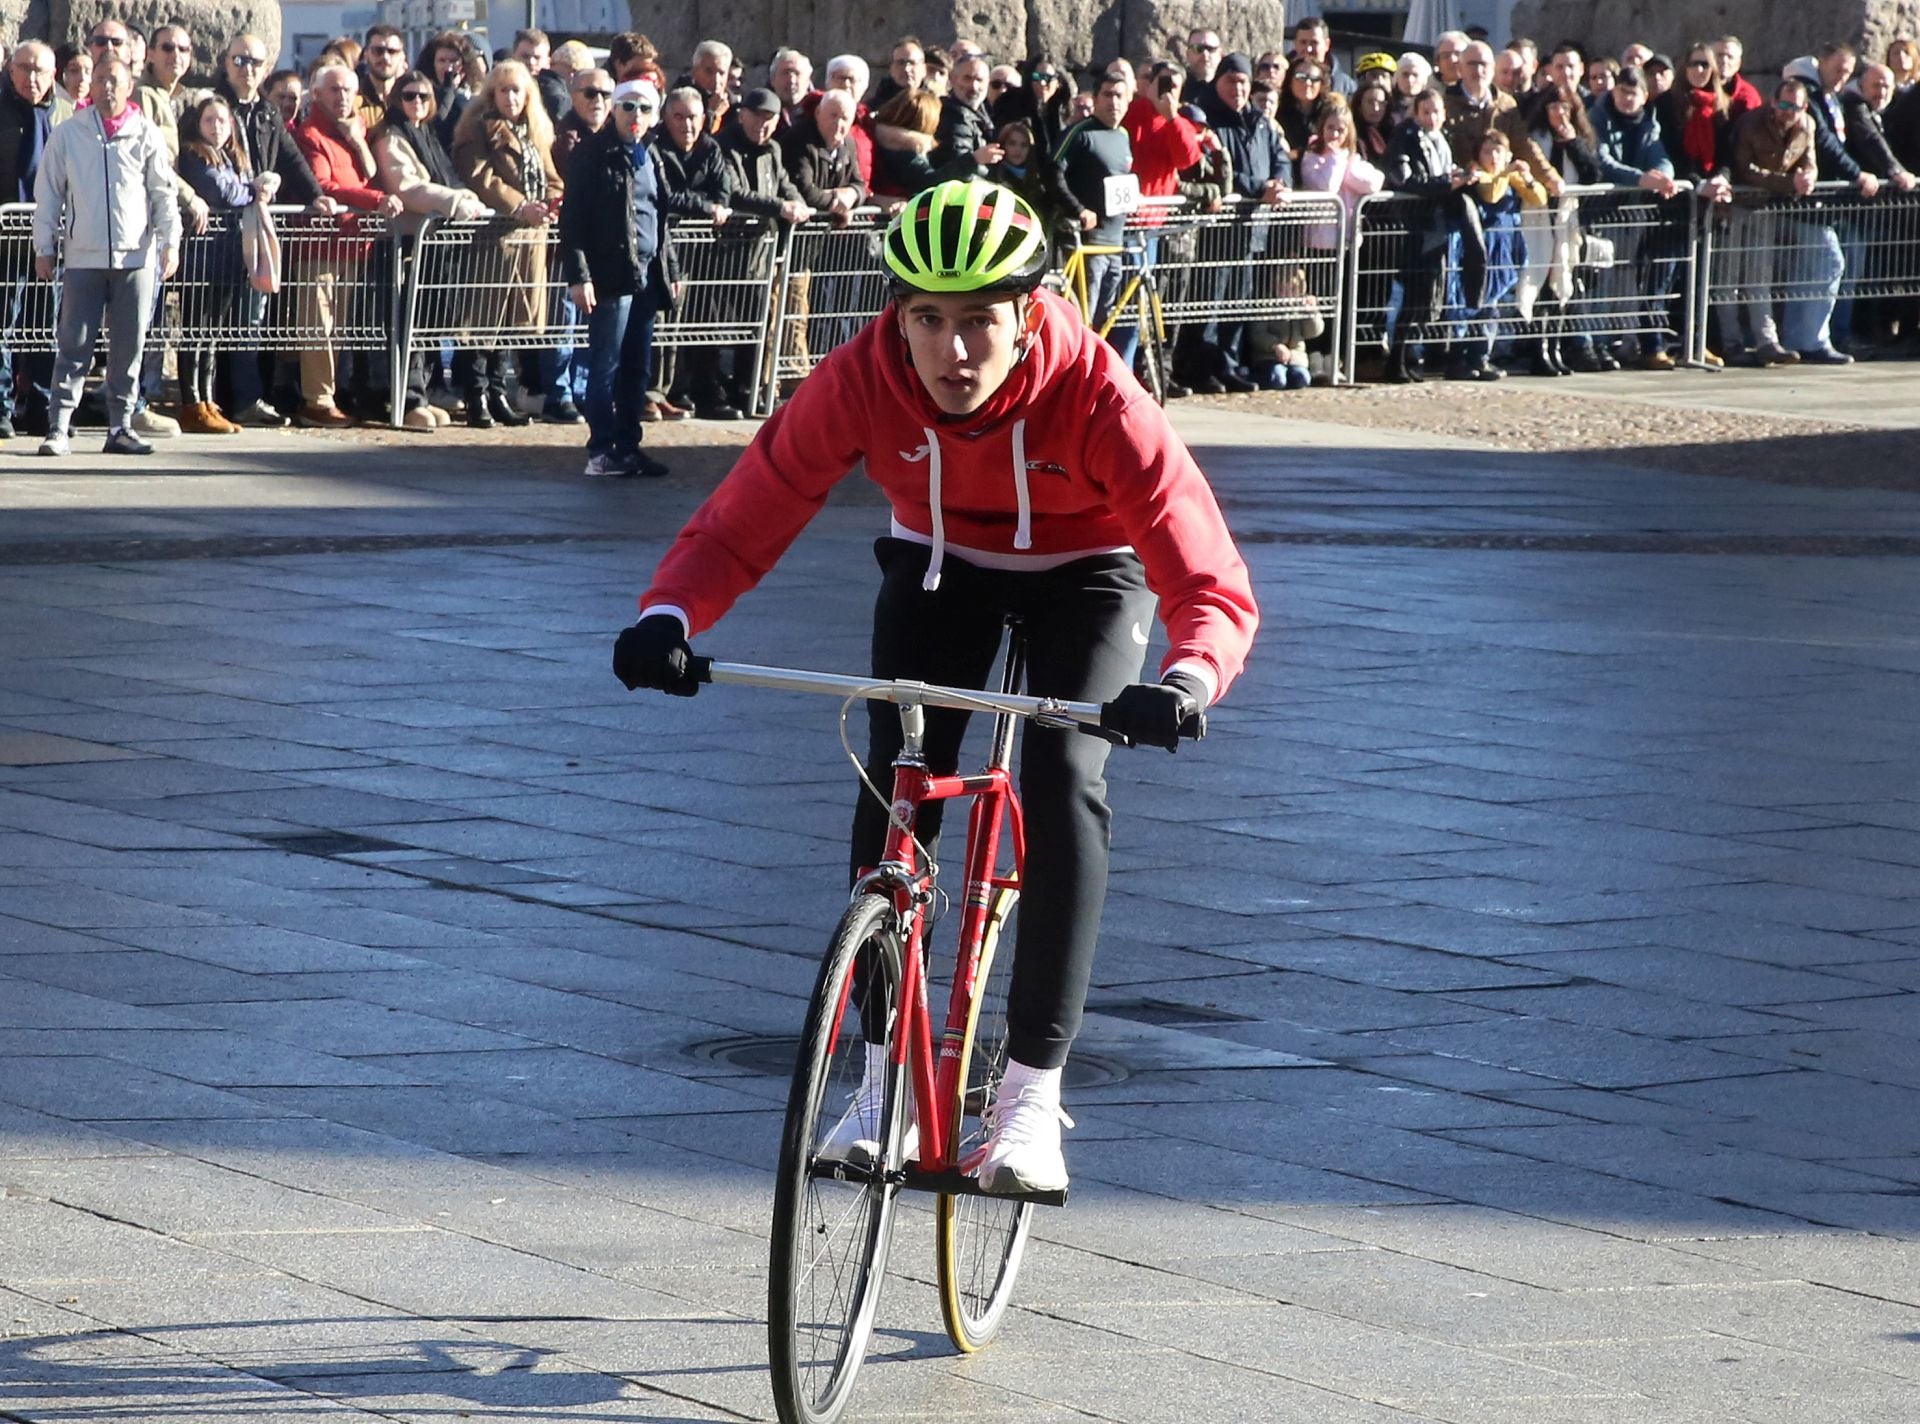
(1425, 20)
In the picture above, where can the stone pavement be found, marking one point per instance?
(1506, 1015)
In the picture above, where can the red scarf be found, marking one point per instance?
(1698, 136)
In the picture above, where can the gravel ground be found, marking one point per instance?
(1531, 415)
(1517, 414)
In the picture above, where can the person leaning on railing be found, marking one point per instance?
(1420, 164)
(213, 163)
(1627, 144)
(334, 145)
(1772, 152)
(1865, 103)
(413, 166)
(697, 185)
(26, 123)
(764, 192)
(503, 147)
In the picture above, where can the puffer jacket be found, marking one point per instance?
(106, 202)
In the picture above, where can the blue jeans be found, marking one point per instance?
(1814, 266)
(567, 366)
(619, 361)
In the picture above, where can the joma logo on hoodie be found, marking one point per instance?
(1041, 467)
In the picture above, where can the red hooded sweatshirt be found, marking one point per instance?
(1070, 457)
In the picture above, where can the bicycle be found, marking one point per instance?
(1139, 295)
(833, 1219)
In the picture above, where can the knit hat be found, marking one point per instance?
(1235, 63)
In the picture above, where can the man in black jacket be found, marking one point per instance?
(617, 261)
(1863, 105)
(963, 145)
(260, 124)
(1260, 170)
(764, 191)
(699, 187)
(26, 118)
(1420, 164)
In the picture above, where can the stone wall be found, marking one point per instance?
(1772, 30)
(213, 22)
(1077, 32)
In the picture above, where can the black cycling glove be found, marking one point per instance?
(1157, 714)
(654, 653)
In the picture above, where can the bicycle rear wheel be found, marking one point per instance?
(980, 1240)
(832, 1224)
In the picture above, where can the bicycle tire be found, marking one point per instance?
(817, 1345)
(980, 1241)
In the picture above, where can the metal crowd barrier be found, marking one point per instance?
(1253, 262)
(1597, 263)
(1759, 253)
(832, 283)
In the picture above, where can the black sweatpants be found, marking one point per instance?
(1086, 627)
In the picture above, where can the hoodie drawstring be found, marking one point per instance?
(932, 580)
(1023, 529)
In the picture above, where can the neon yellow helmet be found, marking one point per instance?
(966, 235)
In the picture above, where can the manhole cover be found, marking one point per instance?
(773, 1058)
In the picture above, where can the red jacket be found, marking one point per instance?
(336, 167)
(1069, 457)
(1162, 146)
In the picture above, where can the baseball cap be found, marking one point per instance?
(761, 101)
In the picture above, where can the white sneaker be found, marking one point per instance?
(855, 1139)
(151, 422)
(55, 444)
(600, 466)
(1023, 1155)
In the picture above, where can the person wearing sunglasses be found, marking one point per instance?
(1042, 100)
(1204, 52)
(616, 257)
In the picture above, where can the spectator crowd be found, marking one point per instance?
(226, 177)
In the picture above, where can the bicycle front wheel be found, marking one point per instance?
(833, 1221)
(980, 1240)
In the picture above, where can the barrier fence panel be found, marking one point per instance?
(29, 306)
(1251, 263)
(1597, 264)
(834, 282)
(1805, 262)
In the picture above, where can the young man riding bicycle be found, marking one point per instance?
(1029, 474)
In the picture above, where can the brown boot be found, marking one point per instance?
(214, 422)
(193, 418)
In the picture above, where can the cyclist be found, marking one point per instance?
(1028, 474)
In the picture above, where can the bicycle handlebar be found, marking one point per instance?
(1089, 717)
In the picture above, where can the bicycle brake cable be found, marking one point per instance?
(894, 818)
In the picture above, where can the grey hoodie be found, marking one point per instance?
(106, 202)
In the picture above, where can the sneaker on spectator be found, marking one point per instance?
(419, 419)
(125, 442)
(261, 416)
(640, 465)
(1235, 383)
(1825, 356)
(6, 426)
(1712, 361)
(1772, 353)
(601, 466)
(560, 413)
(151, 422)
(55, 444)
